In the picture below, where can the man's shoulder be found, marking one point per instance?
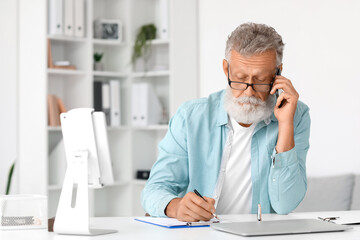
(302, 107)
(201, 105)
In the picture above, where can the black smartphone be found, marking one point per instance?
(278, 73)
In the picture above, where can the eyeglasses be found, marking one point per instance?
(242, 86)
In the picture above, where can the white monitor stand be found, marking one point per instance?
(80, 129)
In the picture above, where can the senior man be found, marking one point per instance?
(240, 147)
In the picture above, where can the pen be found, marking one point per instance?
(328, 218)
(259, 212)
(197, 193)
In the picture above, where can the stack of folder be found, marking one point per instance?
(107, 99)
(146, 107)
(67, 17)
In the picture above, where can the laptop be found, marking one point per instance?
(280, 227)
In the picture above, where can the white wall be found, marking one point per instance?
(32, 93)
(8, 89)
(321, 58)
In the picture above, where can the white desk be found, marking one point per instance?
(133, 230)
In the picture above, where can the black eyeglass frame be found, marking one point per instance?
(250, 84)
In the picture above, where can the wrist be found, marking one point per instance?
(171, 208)
(285, 138)
(286, 123)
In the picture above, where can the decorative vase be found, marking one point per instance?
(98, 66)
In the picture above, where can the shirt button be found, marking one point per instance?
(274, 179)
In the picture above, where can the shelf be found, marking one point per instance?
(109, 42)
(157, 42)
(115, 184)
(160, 41)
(66, 38)
(118, 184)
(151, 127)
(54, 187)
(120, 128)
(54, 129)
(139, 182)
(150, 74)
(109, 74)
(65, 72)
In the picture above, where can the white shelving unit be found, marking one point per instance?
(131, 148)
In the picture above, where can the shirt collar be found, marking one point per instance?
(222, 116)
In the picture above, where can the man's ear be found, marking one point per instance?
(225, 67)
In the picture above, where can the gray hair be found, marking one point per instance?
(252, 38)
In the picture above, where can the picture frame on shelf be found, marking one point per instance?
(109, 29)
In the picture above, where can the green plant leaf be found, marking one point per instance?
(11, 171)
(142, 43)
(98, 56)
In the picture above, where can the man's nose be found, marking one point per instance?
(249, 91)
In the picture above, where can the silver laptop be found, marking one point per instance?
(280, 227)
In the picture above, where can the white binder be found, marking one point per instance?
(56, 17)
(150, 109)
(135, 104)
(79, 15)
(69, 17)
(106, 101)
(164, 19)
(115, 115)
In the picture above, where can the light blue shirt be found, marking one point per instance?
(196, 146)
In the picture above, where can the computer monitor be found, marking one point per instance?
(88, 165)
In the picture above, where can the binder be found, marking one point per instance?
(56, 17)
(79, 15)
(97, 96)
(68, 18)
(150, 110)
(164, 19)
(106, 102)
(53, 111)
(115, 103)
(135, 104)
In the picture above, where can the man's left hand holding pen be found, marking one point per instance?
(191, 208)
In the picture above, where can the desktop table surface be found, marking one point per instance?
(128, 228)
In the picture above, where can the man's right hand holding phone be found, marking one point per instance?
(191, 208)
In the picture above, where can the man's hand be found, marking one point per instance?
(191, 208)
(285, 114)
(290, 96)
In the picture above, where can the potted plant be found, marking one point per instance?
(8, 185)
(143, 42)
(98, 66)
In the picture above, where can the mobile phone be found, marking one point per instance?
(278, 73)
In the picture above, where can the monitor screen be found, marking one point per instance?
(85, 130)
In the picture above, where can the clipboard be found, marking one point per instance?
(174, 223)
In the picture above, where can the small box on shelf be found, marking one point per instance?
(143, 174)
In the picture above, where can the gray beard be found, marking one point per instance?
(255, 111)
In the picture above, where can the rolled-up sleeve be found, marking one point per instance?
(169, 176)
(287, 182)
